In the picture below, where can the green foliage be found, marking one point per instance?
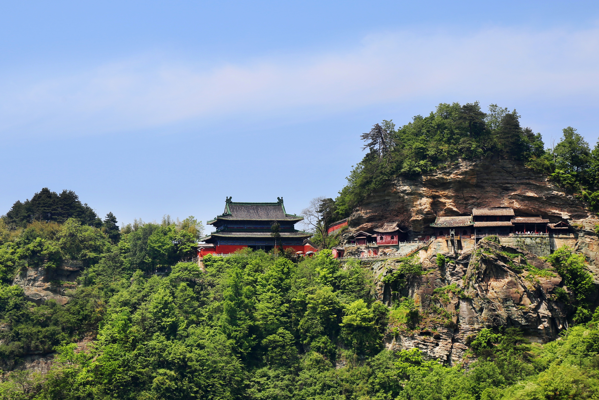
(151, 246)
(572, 269)
(50, 206)
(407, 269)
(453, 288)
(359, 329)
(111, 228)
(441, 260)
(457, 132)
(452, 133)
(492, 238)
(253, 326)
(405, 313)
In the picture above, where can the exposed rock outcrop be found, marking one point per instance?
(461, 187)
(40, 283)
(456, 190)
(491, 287)
(33, 363)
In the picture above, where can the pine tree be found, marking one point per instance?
(510, 137)
(111, 228)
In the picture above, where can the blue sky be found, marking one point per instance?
(147, 108)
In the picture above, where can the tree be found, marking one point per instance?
(594, 167)
(111, 228)
(82, 242)
(379, 139)
(494, 116)
(275, 232)
(358, 328)
(318, 216)
(44, 205)
(510, 138)
(49, 206)
(191, 225)
(473, 120)
(572, 152)
(536, 147)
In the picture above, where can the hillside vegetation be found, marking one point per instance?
(258, 327)
(457, 132)
(144, 321)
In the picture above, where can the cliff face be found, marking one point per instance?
(462, 187)
(486, 285)
(41, 283)
(491, 287)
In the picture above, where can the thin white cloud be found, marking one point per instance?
(384, 68)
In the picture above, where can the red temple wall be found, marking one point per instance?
(337, 227)
(387, 239)
(228, 249)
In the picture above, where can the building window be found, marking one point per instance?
(392, 237)
(381, 238)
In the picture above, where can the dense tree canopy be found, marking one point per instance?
(269, 326)
(257, 326)
(457, 132)
(50, 206)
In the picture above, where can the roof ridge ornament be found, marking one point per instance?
(280, 200)
(228, 199)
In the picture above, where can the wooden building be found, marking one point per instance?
(244, 225)
(559, 228)
(388, 234)
(338, 252)
(530, 225)
(361, 238)
(460, 226)
(493, 221)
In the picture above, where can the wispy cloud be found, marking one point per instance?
(384, 68)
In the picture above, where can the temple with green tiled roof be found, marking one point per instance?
(244, 225)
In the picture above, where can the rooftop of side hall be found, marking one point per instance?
(496, 220)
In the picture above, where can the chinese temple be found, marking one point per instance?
(523, 225)
(496, 221)
(244, 225)
(388, 234)
(493, 221)
(459, 226)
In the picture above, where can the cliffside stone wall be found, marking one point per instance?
(568, 241)
(538, 245)
(406, 248)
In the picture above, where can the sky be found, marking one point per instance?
(147, 108)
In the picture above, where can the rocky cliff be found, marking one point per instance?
(491, 286)
(457, 189)
(40, 283)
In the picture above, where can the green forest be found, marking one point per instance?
(457, 132)
(145, 321)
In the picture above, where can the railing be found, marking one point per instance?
(395, 244)
(529, 234)
(369, 257)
